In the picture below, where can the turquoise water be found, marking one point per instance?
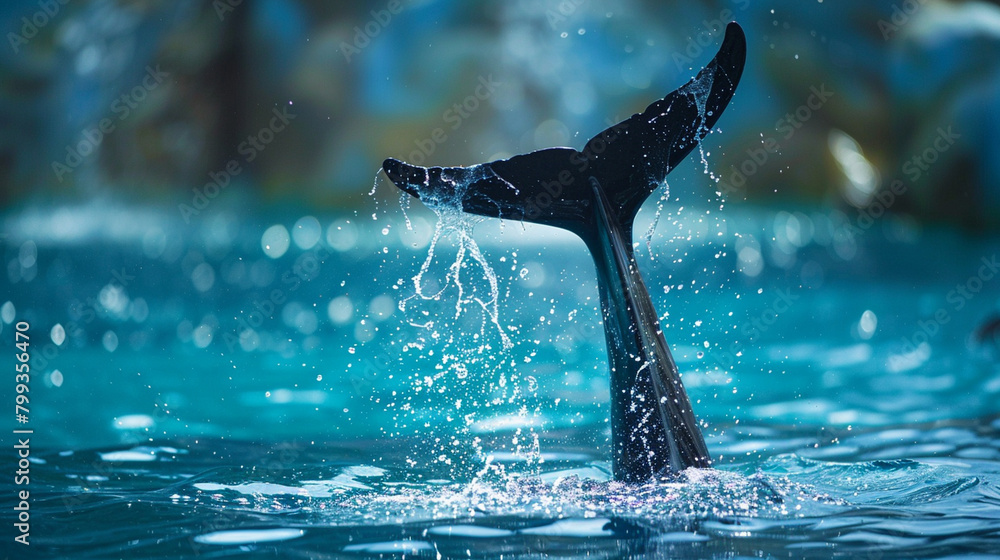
(204, 390)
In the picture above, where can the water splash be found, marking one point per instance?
(699, 90)
(452, 222)
(660, 204)
(466, 371)
(562, 497)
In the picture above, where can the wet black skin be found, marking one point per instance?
(596, 193)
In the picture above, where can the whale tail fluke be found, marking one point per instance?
(596, 192)
(629, 159)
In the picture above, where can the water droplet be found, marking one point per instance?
(202, 335)
(306, 232)
(342, 235)
(7, 312)
(28, 254)
(275, 241)
(203, 277)
(867, 324)
(340, 310)
(110, 341)
(58, 334)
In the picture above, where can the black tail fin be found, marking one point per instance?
(628, 159)
(596, 193)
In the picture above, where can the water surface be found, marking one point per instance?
(227, 389)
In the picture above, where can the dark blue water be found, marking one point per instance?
(221, 389)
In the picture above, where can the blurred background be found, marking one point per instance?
(191, 215)
(854, 95)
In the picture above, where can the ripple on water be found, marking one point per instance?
(469, 531)
(391, 547)
(249, 536)
(577, 528)
(786, 504)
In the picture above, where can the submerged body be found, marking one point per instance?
(596, 194)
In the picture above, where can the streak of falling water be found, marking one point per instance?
(446, 404)
(452, 221)
(664, 196)
(699, 90)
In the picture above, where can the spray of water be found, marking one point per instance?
(455, 225)
(698, 90)
(464, 369)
